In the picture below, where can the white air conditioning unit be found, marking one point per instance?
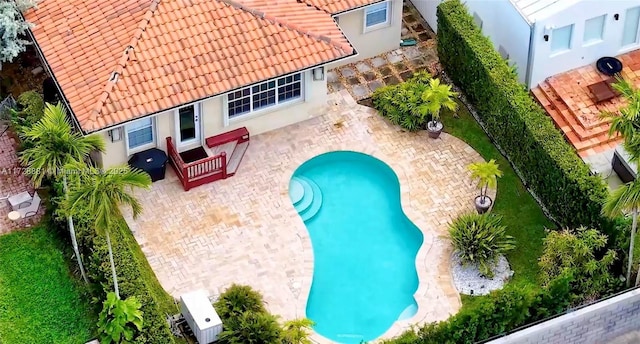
(201, 317)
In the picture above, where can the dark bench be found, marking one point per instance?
(240, 135)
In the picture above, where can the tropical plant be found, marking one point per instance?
(12, 28)
(576, 253)
(238, 299)
(479, 240)
(252, 328)
(30, 110)
(627, 121)
(486, 174)
(53, 145)
(435, 97)
(103, 192)
(297, 331)
(626, 199)
(402, 104)
(119, 320)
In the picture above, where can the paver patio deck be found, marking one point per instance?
(12, 182)
(245, 230)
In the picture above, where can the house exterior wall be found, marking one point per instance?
(500, 21)
(371, 43)
(546, 64)
(213, 120)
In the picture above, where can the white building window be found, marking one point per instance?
(140, 134)
(631, 23)
(264, 95)
(593, 30)
(377, 15)
(561, 39)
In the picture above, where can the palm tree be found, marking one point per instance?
(103, 192)
(627, 121)
(487, 174)
(624, 199)
(435, 97)
(54, 145)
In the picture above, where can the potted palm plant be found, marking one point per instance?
(435, 97)
(487, 174)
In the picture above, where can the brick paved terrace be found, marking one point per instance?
(245, 230)
(12, 182)
(568, 100)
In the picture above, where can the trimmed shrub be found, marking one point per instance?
(579, 254)
(238, 299)
(549, 165)
(498, 313)
(480, 240)
(135, 277)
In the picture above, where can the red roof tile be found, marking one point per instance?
(164, 53)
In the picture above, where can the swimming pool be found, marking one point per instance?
(364, 246)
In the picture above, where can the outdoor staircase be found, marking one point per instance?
(234, 144)
(588, 134)
(306, 197)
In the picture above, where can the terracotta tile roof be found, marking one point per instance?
(337, 6)
(569, 102)
(117, 60)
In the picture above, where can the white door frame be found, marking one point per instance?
(194, 142)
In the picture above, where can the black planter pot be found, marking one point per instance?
(434, 130)
(483, 207)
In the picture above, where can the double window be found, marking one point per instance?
(264, 95)
(140, 133)
(377, 15)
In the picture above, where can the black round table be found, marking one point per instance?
(609, 66)
(153, 161)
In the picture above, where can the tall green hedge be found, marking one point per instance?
(549, 165)
(135, 276)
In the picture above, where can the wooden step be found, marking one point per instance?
(236, 157)
(227, 148)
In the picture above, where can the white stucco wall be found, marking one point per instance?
(212, 120)
(501, 22)
(506, 28)
(370, 43)
(428, 9)
(546, 64)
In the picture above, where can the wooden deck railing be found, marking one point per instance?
(198, 172)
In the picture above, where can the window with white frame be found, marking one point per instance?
(593, 30)
(140, 133)
(631, 23)
(377, 15)
(264, 95)
(561, 39)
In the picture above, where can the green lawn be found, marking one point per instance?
(521, 214)
(40, 302)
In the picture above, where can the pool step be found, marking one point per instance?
(306, 197)
(408, 312)
(316, 204)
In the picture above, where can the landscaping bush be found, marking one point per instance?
(247, 321)
(480, 240)
(579, 253)
(549, 165)
(135, 277)
(498, 313)
(401, 104)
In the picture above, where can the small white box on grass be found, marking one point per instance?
(201, 317)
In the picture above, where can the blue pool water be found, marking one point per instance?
(364, 246)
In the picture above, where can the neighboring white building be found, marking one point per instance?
(546, 37)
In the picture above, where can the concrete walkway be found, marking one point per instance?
(360, 79)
